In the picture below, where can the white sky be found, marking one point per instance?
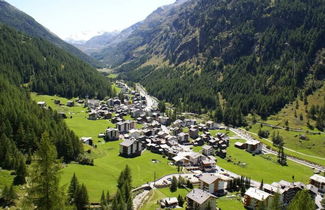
(82, 19)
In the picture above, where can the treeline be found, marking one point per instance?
(22, 123)
(47, 69)
(258, 56)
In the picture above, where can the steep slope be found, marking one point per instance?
(117, 50)
(17, 19)
(257, 54)
(47, 69)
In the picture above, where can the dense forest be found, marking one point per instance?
(258, 55)
(22, 22)
(22, 123)
(46, 69)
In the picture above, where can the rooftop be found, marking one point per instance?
(318, 178)
(199, 196)
(257, 194)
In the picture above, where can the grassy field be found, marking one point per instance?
(108, 163)
(159, 194)
(314, 145)
(262, 166)
(234, 203)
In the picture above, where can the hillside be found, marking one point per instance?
(45, 68)
(257, 54)
(19, 20)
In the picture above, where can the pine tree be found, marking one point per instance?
(173, 186)
(44, 191)
(103, 202)
(302, 200)
(73, 187)
(81, 198)
(21, 172)
(180, 200)
(276, 203)
(261, 186)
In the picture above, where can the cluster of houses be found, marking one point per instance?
(287, 190)
(213, 185)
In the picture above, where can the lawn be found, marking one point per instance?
(159, 194)
(103, 176)
(225, 203)
(315, 145)
(264, 167)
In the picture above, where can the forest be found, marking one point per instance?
(46, 69)
(258, 55)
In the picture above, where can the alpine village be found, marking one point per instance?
(203, 105)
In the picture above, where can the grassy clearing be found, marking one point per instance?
(315, 145)
(234, 203)
(117, 89)
(159, 194)
(112, 76)
(263, 166)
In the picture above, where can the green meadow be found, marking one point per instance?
(260, 167)
(108, 163)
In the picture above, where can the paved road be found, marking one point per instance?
(245, 135)
(152, 102)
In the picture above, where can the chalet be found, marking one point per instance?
(183, 138)
(134, 133)
(254, 197)
(87, 140)
(111, 134)
(125, 126)
(63, 115)
(189, 122)
(208, 164)
(130, 148)
(241, 145)
(70, 103)
(214, 184)
(92, 103)
(93, 115)
(169, 202)
(254, 146)
(57, 101)
(116, 102)
(287, 190)
(318, 181)
(194, 133)
(163, 120)
(207, 150)
(41, 104)
(211, 125)
(198, 142)
(198, 199)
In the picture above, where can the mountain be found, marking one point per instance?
(238, 56)
(46, 68)
(17, 19)
(115, 51)
(96, 43)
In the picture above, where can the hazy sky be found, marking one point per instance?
(81, 19)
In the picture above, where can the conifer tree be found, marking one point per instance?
(44, 191)
(73, 187)
(302, 200)
(261, 186)
(173, 186)
(276, 203)
(180, 200)
(81, 198)
(21, 172)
